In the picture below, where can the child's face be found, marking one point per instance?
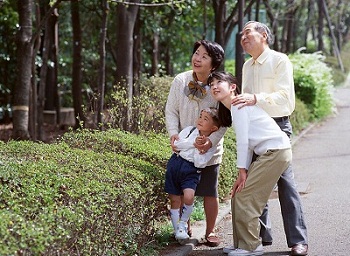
(205, 123)
(220, 89)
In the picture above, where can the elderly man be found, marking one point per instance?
(267, 81)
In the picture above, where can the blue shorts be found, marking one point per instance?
(180, 174)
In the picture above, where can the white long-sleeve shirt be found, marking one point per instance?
(188, 150)
(255, 132)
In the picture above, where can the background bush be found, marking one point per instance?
(147, 108)
(313, 83)
(95, 195)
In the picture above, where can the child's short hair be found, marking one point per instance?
(213, 112)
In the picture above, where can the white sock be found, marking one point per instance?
(175, 216)
(186, 212)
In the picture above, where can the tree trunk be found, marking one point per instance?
(155, 53)
(137, 54)
(126, 16)
(287, 38)
(220, 15)
(43, 77)
(257, 10)
(33, 106)
(320, 46)
(77, 64)
(51, 93)
(102, 73)
(274, 24)
(22, 88)
(334, 41)
(310, 15)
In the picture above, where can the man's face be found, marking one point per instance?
(251, 39)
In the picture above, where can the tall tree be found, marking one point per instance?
(273, 16)
(126, 18)
(102, 72)
(48, 80)
(288, 28)
(24, 57)
(333, 39)
(77, 64)
(45, 39)
(308, 23)
(320, 27)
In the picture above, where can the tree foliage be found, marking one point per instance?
(156, 39)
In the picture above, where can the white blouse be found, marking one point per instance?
(255, 132)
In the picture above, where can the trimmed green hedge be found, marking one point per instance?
(59, 199)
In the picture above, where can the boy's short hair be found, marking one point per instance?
(213, 112)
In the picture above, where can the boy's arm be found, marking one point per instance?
(184, 142)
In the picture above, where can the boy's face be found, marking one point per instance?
(205, 123)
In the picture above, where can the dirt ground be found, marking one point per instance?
(51, 132)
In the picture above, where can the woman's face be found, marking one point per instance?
(201, 61)
(220, 89)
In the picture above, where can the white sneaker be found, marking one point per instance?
(228, 249)
(240, 252)
(181, 231)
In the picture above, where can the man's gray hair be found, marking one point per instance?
(262, 28)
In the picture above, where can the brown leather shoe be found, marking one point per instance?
(299, 249)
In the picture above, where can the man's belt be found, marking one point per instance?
(281, 119)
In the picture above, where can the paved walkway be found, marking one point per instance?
(321, 163)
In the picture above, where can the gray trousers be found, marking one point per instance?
(290, 202)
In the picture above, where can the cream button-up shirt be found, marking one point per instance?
(270, 78)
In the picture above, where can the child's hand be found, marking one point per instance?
(200, 140)
(172, 140)
(203, 144)
(240, 182)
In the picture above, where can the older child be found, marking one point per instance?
(255, 132)
(184, 169)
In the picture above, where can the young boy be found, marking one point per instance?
(184, 169)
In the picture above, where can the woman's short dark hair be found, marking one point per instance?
(215, 51)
